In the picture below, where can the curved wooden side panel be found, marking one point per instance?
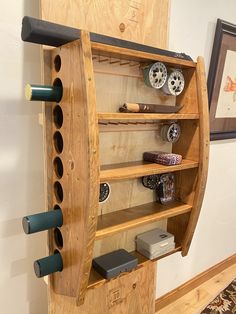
(203, 154)
(76, 184)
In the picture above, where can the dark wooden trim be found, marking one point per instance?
(222, 27)
(193, 283)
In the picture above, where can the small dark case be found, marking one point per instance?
(112, 264)
(162, 158)
(166, 188)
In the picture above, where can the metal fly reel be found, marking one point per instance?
(105, 190)
(155, 75)
(174, 84)
(170, 132)
(151, 182)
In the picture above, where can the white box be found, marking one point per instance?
(154, 243)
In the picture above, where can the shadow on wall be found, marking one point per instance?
(35, 244)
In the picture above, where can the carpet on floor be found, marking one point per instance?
(224, 303)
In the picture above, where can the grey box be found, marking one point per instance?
(157, 253)
(155, 242)
(112, 264)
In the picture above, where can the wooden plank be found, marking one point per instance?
(96, 280)
(203, 154)
(138, 169)
(133, 217)
(166, 303)
(141, 21)
(138, 56)
(143, 116)
(130, 294)
(79, 156)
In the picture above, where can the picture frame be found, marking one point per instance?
(221, 82)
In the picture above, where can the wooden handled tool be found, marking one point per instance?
(149, 108)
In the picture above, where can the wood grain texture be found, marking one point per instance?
(203, 154)
(143, 21)
(80, 155)
(138, 169)
(130, 294)
(125, 240)
(108, 51)
(195, 296)
(134, 217)
(145, 116)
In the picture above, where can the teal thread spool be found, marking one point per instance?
(42, 221)
(48, 265)
(43, 92)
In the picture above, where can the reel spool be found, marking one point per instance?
(105, 190)
(170, 132)
(155, 75)
(151, 182)
(174, 84)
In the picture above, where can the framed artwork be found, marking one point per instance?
(221, 82)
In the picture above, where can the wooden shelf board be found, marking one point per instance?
(139, 56)
(96, 280)
(107, 116)
(132, 170)
(122, 220)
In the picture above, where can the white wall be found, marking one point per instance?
(192, 27)
(21, 165)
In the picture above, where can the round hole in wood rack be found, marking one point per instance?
(58, 116)
(58, 167)
(57, 207)
(58, 238)
(57, 63)
(58, 142)
(58, 191)
(57, 252)
(57, 82)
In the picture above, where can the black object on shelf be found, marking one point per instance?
(52, 34)
(112, 264)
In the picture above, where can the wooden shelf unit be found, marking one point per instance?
(96, 280)
(84, 169)
(119, 221)
(107, 116)
(132, 170)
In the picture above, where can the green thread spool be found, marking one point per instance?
(42, 221)
(43, 92)
(48, 265)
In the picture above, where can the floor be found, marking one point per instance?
(196, 300)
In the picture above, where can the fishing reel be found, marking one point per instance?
(174, 84)
(163, 184)
(170, 132)
(157, 76)
(105, 190)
